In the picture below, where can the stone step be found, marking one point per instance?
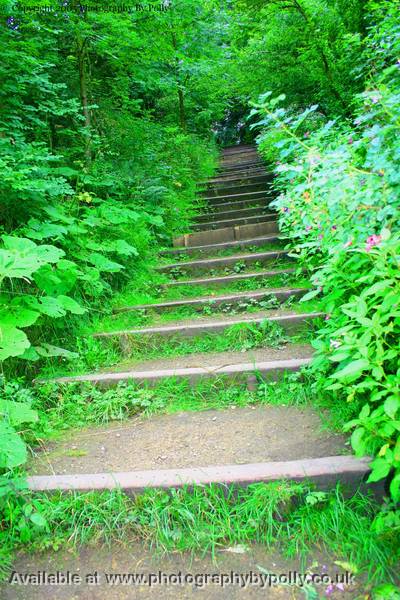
(226, 234)
(237, 205)
(241, 299)
(233, 215)
(205, 264)
(224, 280)
(242, 155)
(271, 370)
(218, 247)
(239, 157)
(323, 472)
(238, 178)
(222, 199)
(238, 171)
(237, 149)
(289, 321)
(224, 223)
(233, 189)
(237, 165)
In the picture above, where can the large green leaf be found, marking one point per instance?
(57, 279)
(49, 350)
(103, 263)
(17, 316)
(352, 370)
(21, 257)
(51, 307)
(71, 305)
(17, 412)
(12, 448)
(13, 341)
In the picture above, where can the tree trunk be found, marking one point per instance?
(181, 96)
(182, 116)
(83, 88)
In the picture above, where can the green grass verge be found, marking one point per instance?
(290, 518)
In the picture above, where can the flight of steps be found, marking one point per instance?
(238, 222)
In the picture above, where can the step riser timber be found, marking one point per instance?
(237, 196)
(290, 324)
(246, 171)
(242, 176)
(228, 234)
(323, 472)
(255, 219)
(242, 170)
(233, 189)
(223, 263)
(238, 148)
(239, 301)
(213, 248)
(237, 205)
(223, 280)
(239, 158)
(214, 201)
(255, 164)
(239, 161)
(232, 374)
(242, 213)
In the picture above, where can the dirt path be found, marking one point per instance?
(186, 439)
(138, 560)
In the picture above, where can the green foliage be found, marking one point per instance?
(339, 202)
(303, 48)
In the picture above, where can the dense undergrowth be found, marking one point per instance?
(339, 203)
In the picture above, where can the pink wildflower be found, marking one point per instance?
(329, 590)
(373, 240)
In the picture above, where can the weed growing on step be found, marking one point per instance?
(287, 517)
(72, 406)
(215, 253)
(239, 267)
(239, 337)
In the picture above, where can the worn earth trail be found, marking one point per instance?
(235, 250)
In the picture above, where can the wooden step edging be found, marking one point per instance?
(236, 222)
(270, 369)
(232, 189)
(237, 205)
(244, 173)
(261, 195)
(216, 247)
(219, 280)
(212, 301)
(289, 322)
(226, 234)
(224, 261)
(235, 213)
(324, 472)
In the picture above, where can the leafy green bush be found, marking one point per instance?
(339, 202)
